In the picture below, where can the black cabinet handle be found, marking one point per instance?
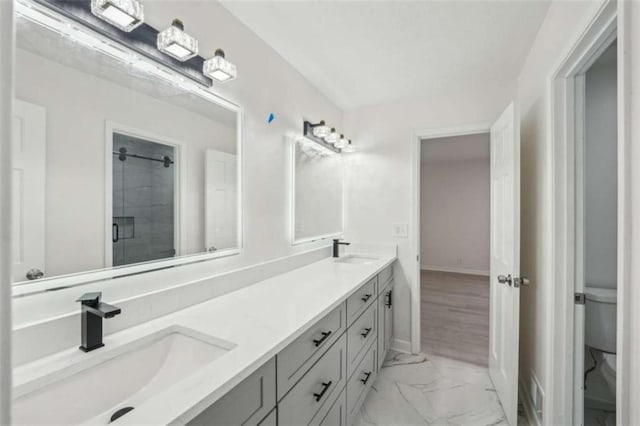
(325, 386)
(366, 378)
(318, 342)
(366, 332)
(366, 297)
(115, 233)
(389, 293)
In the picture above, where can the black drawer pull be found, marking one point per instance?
(366, 332)
(366, 297)
(318, 342)
(389, 296)
(325, 386)
(366, 378)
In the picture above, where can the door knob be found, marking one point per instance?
(519, 282)
(505, 279)
(34, 274)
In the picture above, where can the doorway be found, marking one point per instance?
(143, 200)
(455, 258)
(596, 239)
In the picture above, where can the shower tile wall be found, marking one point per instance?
(143, 202)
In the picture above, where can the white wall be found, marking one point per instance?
(564, 22)
(6, 118)
(601, 172)
(454, 207)
(379, 175)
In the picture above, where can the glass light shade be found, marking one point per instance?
(342, 142)
(349, 147)
(124, 14)
(218, 68)
(176, 43)
(332, 137)
(321, 130)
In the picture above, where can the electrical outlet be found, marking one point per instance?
(400, 230)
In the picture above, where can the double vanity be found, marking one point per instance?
(303, 347)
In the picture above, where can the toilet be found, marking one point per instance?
(600, 329)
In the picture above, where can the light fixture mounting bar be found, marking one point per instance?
(142, 40)
(308, 133)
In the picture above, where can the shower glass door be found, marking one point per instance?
(143, 217)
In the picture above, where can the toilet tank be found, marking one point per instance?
(600, 318)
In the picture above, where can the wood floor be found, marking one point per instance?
(455, 316)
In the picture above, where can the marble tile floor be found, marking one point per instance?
(432, 390)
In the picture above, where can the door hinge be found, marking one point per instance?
(579, 298)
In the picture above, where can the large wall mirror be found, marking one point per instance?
(120, 165)
(317, 193)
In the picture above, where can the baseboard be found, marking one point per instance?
(455, 270)
(400, 345)
(527, 404)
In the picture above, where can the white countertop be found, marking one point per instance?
(261, 320)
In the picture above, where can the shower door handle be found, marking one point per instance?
(115, 233)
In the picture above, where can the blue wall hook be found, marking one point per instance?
(271, 118)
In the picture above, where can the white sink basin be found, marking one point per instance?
(92, 391)
(355, 259)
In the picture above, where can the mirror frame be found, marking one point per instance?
(292, 198)
(63, 26)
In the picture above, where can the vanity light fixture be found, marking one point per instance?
(332, 137)
(342, 142)
(320, 130)
(124, 14)
(309, 134)
(219, 68)
(176, 43)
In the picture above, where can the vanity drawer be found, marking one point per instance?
(317, 388)
(358, 301)
(246, 404)
(359, 337)
(359, 384)
(384, 277)
(271, 419)
(294, 360)
(337, 414)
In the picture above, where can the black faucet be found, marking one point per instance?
(93, 310)
(336, 247)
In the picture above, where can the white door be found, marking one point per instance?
(220, 201)
(28, 204)
(505, 260)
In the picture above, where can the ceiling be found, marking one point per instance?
(362, 53)
(456, 148)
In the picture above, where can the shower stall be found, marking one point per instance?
(143, 217)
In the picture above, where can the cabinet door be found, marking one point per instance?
(385, 322)
(388, 317)
(246, 404)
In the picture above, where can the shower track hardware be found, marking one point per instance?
(123, 154)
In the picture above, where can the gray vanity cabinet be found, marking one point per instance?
(322, 378)
(246, 404)
(385, 321)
